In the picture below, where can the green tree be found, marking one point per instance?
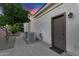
(16, 13)
(13, 13)
(15, 28)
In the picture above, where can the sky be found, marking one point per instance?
(33, 7)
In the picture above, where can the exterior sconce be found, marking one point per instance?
(70, 15)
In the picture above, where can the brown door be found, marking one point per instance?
(59, 35)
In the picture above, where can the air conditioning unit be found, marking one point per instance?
(31, 37)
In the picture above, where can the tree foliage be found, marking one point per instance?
(13, 13)
(15, 28)
(4, 20)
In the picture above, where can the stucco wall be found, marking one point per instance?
(43, 25)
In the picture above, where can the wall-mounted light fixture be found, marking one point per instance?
(70, 15)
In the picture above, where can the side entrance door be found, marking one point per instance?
(59, 33)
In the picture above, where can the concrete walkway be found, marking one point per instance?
(34, 49)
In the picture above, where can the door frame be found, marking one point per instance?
(52, 29)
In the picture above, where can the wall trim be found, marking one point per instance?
(50, 9)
